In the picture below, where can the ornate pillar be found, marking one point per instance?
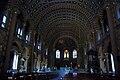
(35, 63)
(112, 35)
(85, 58)
(38, 62)
(26, 63)
(101, 62)
(46, 57)
(11, 29)
(53, 57)
(79, 58)
(32, 39)
(102, 24)
(94, 39)
(107, 63)
(24, 24)
(37, 42)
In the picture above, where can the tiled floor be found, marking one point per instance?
(66, 75)
(62, 73)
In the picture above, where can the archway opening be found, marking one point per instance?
(66, 53)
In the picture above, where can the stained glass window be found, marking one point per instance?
(15, 61)
(66, 54)
(19, 33)
(57, 54)
(3, 22)
(74, 54)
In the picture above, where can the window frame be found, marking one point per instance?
(66, 54)
(3, 21)
(57, 54)
(74, 54)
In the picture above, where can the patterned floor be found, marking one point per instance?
(68, 75)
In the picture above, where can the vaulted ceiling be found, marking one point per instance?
(56, 19)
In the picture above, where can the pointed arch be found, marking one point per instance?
(58, 54)
(74, 53)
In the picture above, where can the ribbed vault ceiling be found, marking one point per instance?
(56, 18)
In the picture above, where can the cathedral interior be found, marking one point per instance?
(59, 39)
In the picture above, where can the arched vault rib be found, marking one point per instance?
(62, 23)
(66, 26)
(52, 38)
(66, 6)
(37, 9)
(60, 15)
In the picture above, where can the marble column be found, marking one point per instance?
(50, 59)
(26, 63)
(85, 58)
(32, 39)
(107, 62)
(11, 29)
(94, 40)
(79, 58)
(46, 57)
(53, 57)
(112, 35)
(101, 62)
(37, 42)
(35, 64)
(102, 25)
(38, 62)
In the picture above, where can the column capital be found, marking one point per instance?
(32, 31)
(54, 49)
(13, 10)
(107, 5)
(101, 18)
(99, 57)
(16, 11)
(25, 20)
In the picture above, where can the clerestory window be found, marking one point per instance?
(66, 54)
(3, 21)
(74, 54)
(57, 54)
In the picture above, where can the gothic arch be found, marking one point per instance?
(26, 52)
(17, 45)
(106, 44)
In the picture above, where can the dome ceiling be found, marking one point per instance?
(56, 18)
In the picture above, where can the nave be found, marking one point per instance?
(59, 39)
(58, 75)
